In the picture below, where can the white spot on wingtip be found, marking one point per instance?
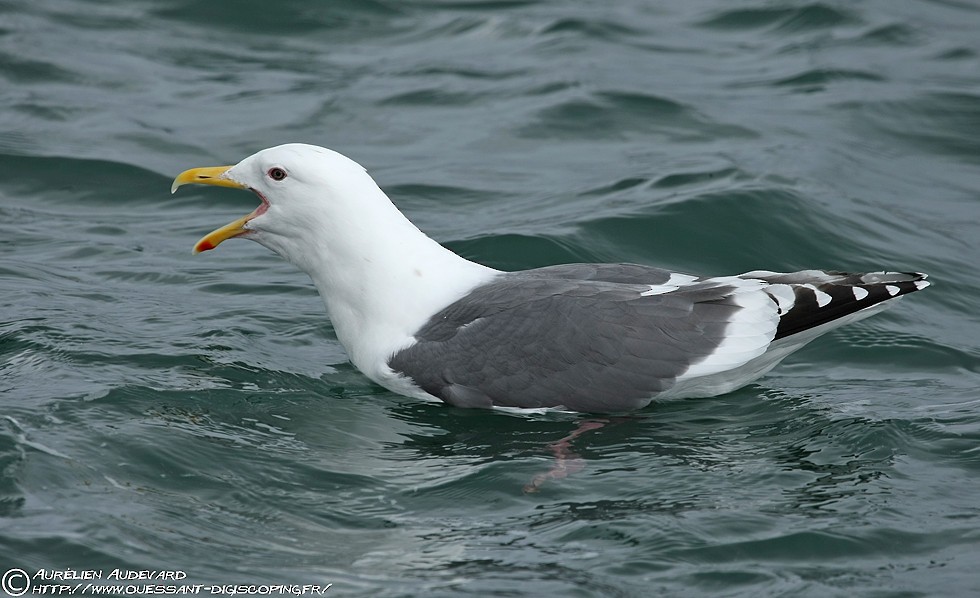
(892, 289)
(859, 292)
(822, 298)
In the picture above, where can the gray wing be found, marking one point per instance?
(577, 336)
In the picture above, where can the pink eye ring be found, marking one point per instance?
(277, 174)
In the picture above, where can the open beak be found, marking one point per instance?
(216, 175)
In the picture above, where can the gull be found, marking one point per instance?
(424, 322)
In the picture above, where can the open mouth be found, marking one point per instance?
(217, 176)
(237, 228)
(263, 207)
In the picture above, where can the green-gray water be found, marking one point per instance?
(164, 411)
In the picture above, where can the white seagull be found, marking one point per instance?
(423, 322)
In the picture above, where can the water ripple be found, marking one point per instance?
(806, 17)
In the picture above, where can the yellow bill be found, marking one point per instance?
(215, 175)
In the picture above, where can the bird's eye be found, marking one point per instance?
(277, 174)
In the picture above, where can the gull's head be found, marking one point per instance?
(304, 192)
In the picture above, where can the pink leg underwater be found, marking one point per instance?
(567, 462)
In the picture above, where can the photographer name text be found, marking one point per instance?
(117, 574)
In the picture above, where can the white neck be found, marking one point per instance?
(380, 277)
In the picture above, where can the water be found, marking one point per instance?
(161, 411)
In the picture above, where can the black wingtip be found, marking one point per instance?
(823, 299)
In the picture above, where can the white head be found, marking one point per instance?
(312, 199)
(380, 277)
